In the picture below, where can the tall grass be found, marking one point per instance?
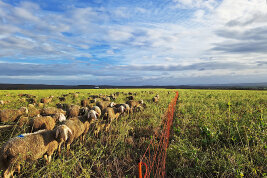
(219, 134)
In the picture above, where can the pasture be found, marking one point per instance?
(215, 133)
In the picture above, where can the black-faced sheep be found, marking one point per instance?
(7, 115)
(30, 147)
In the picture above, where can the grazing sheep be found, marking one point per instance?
(75, 95)
(104, 104)
(97, 109)
(60, 117)
(51, 111)
(130, 97)
(33, 111)
(7, 115)
(22, 121)
(94, 96)
(46, 100)
(30, 147)
(73, 111)
(40, 105)
(127, 108)
(133, 103)
(155, 99)
(83, 111)
(110, 114)
(93, 101)
(32, 100)
(78, 129)
(2, 102)
(92, 115)
(112, 97)
(45, 122)
(106, 98)
(59, 105)
(62, 99)
(85, 103)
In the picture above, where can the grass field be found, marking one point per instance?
(219, 134)
(216, 133)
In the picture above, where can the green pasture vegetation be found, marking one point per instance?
(219, 134)
(215, 133)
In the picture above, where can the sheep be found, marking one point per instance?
(97, 109)
(33, 111)
(122, 107)
(112, 97)
(45, 122)
(106, 98)
(94, 113)
(155, 99)
(110, 114)
(133, 103)
(75, 95)
(7, 115)
(62, 98)
(31, 100)
(59, 117)
(2, 102)
(130, 97)
(85, 103)
(46, 100)
(40, 105)
(73, 111)
(104, 104)
(84, 110)
(22, 121)
(30, 147)
(51, 111)
(78, 129)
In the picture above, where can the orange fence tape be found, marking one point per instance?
(154, 158)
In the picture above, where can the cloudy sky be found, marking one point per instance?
(133, 42)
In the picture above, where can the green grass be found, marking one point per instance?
(219, 134)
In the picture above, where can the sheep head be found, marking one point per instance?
(112, 104)
(62, 117)
(62, 132)
(121, 109)
(93, 114)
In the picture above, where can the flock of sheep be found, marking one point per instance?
(51, 127)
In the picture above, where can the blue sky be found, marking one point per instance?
(133, 42)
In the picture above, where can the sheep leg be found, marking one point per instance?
(9, 172)
(52, 147)
(18, 168)
(68, 148)
(59, 148)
